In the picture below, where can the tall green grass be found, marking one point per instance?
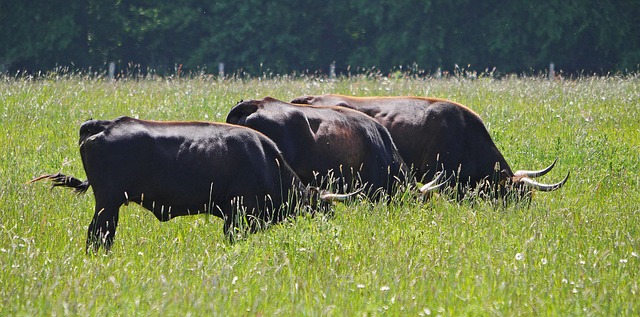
(572, 252)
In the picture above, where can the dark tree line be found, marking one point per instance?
(255, 36)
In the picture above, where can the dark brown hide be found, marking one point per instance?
(322, 141)
(436, 135)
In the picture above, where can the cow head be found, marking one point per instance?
(92, 127)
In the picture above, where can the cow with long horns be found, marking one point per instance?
(436, 135)
(183, 168)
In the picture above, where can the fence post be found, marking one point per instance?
(552, 71)
(221, 70)
(112, 70)
(332, 70)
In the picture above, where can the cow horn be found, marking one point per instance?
(434, 185)
(543, 187)
(339, 197)
(534, 174)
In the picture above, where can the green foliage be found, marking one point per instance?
(38, 34)
(261, 37)
(572, 252)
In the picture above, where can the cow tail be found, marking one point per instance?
(59, 179)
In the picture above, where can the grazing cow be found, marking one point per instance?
(183, 168)
(320, 141)
(436, 135)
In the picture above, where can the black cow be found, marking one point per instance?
(320, 141)
(183, 168)
(435, 135)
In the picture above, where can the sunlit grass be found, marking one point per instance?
(572, 252)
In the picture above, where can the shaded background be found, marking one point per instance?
(257, 37)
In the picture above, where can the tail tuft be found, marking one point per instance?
(59, 179)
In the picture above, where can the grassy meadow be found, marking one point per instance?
(571, 252)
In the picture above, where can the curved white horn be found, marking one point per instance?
(434, 185)
(533, 174)
(544, 187)
(339, 197)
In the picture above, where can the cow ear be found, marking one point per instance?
(240, 111)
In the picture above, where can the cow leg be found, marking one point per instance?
(235, 225)
(102, 229)
(230, 226)
(231, 219)
(241, 219)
